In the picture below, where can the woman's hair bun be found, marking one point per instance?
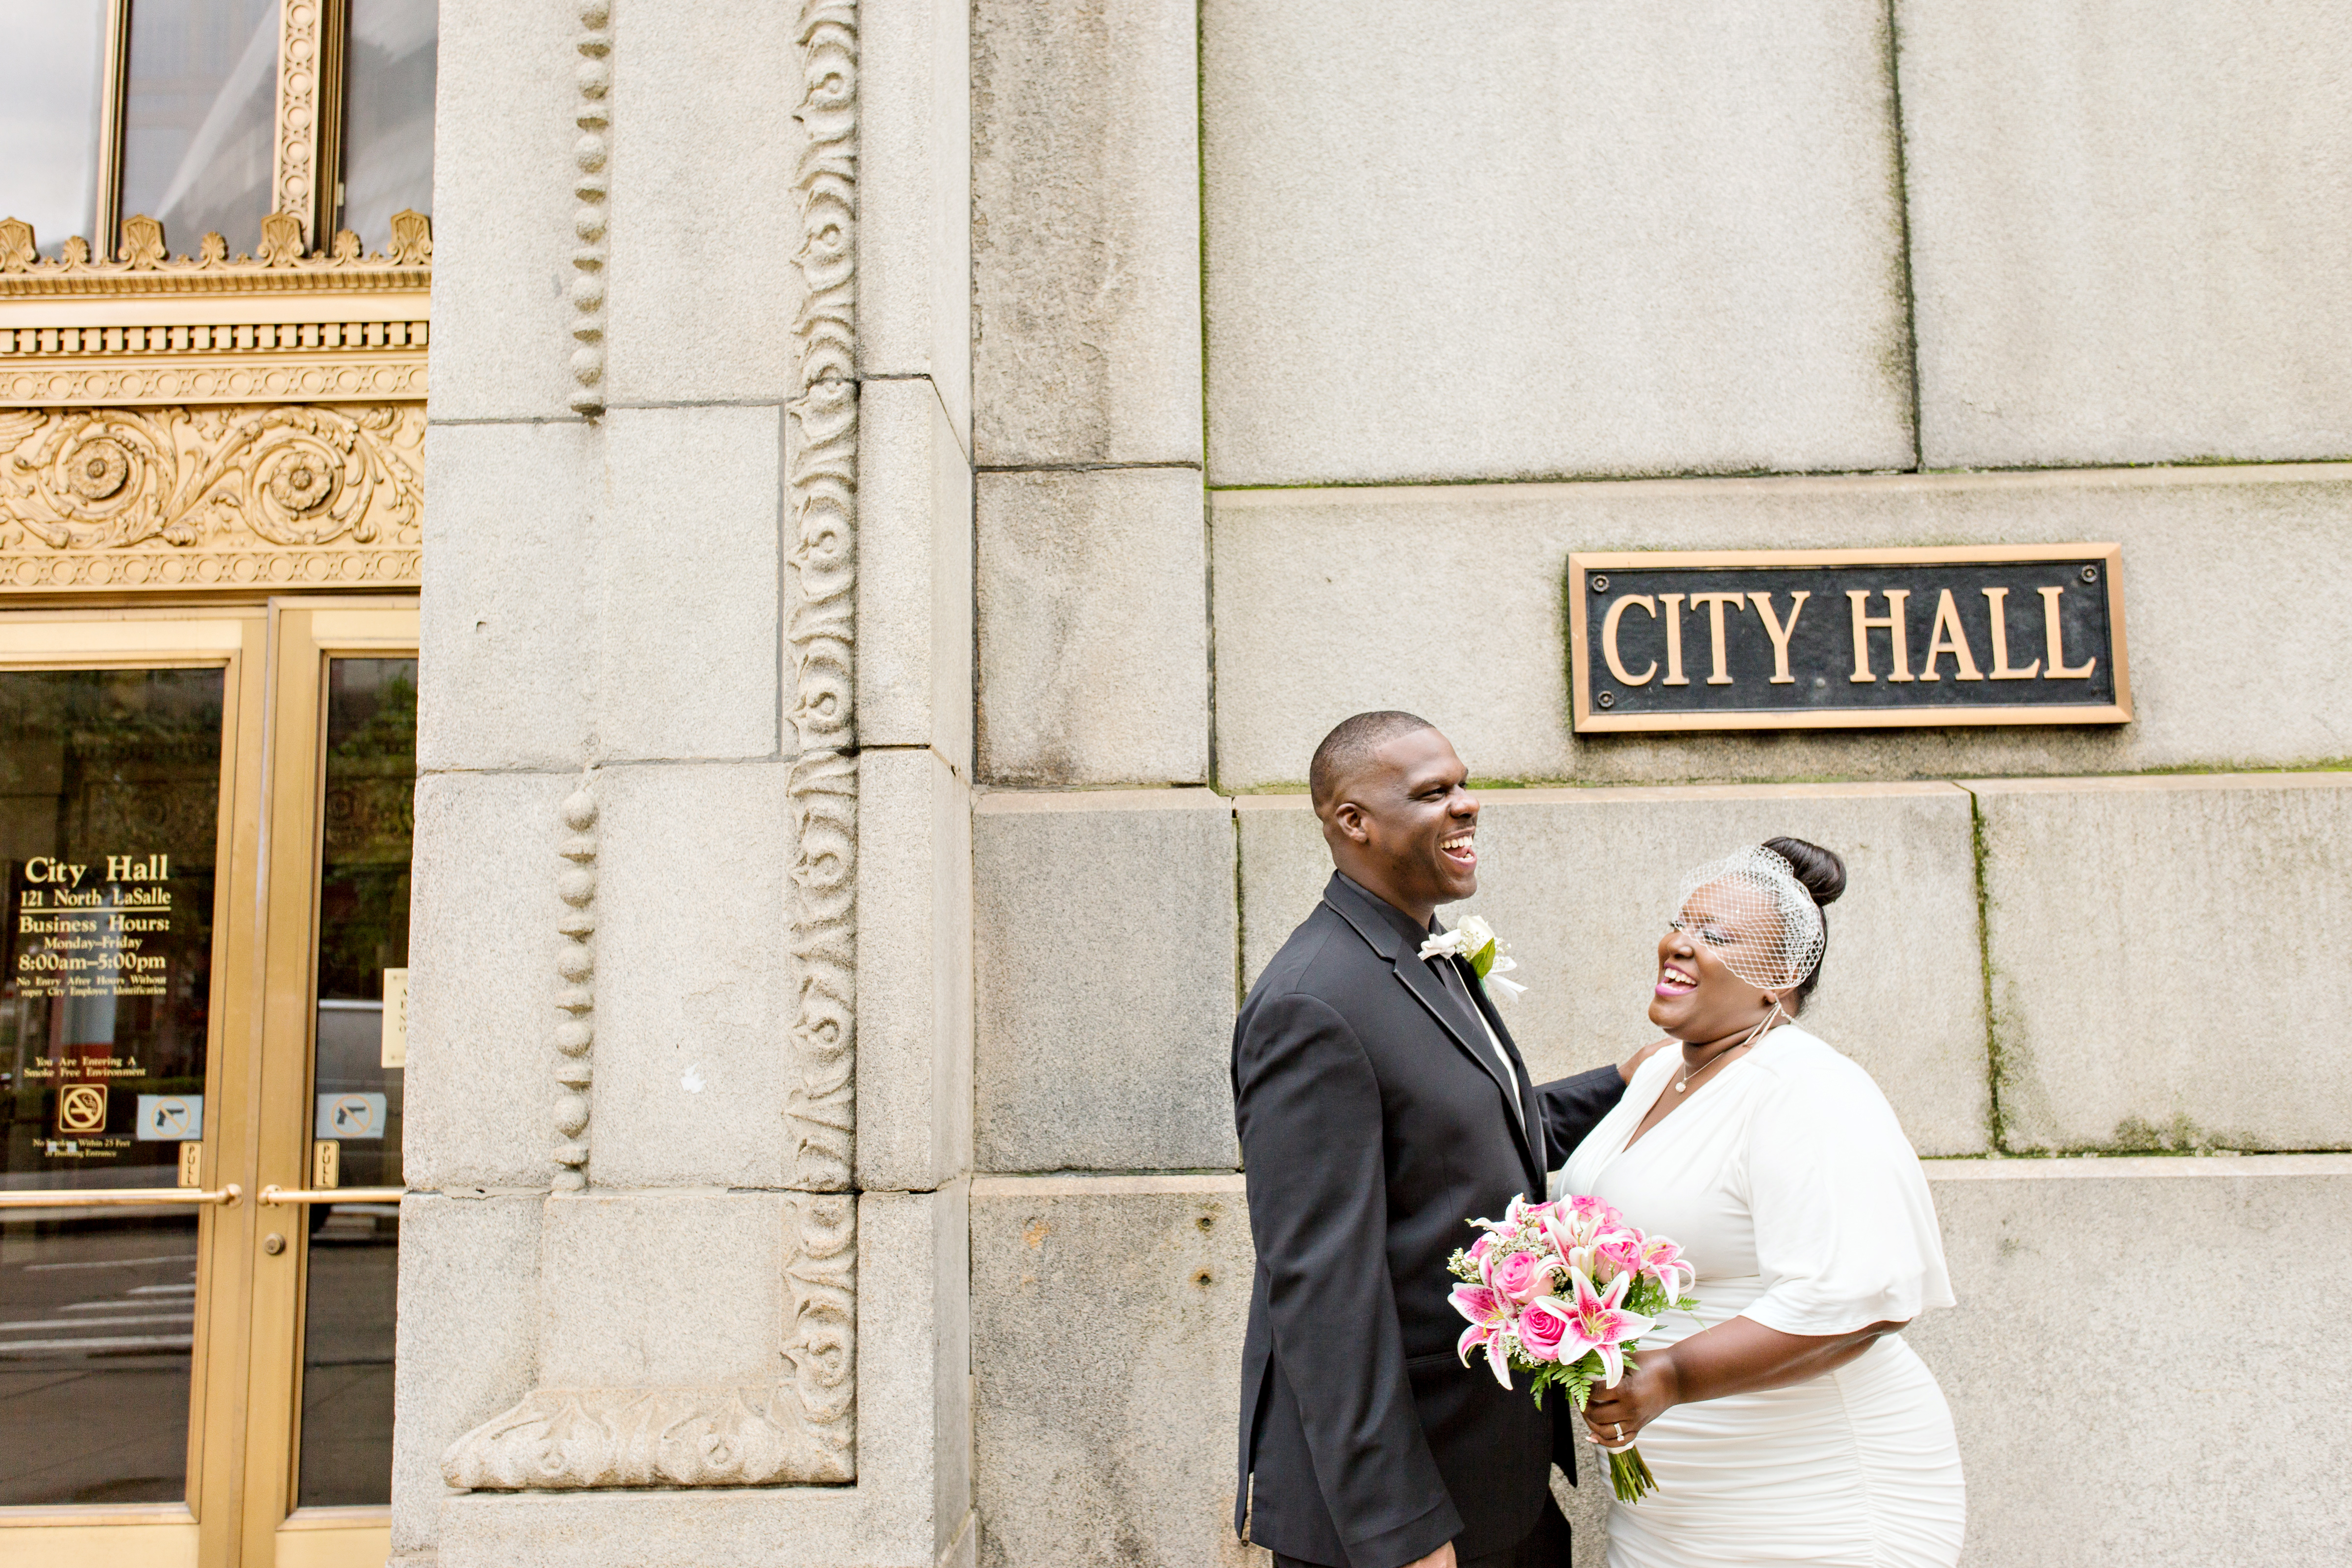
(1819, 870)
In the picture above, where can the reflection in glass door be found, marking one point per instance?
(109, 802)
(359, 1050)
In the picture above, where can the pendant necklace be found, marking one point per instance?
(1681, 1084)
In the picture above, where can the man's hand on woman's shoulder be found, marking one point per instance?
(1625, 1069)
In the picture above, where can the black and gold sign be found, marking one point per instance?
(1755, 639)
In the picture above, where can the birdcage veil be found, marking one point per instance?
(1756, 916)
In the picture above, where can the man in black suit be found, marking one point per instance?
(1381, 1104)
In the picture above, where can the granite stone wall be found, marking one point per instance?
(1479, 289)
(950, 463)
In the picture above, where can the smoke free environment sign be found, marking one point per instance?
(1755, 639)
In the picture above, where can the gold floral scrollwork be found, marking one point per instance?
(169, 496)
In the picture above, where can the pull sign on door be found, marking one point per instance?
(1773, 640)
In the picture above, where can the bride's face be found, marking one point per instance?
(1697, 998)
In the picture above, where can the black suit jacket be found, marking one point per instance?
(1373, 1124)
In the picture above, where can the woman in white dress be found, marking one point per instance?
(1790, 1424)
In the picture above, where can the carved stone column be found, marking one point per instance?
(657, 1305)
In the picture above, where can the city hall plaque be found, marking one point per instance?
(1768, 639)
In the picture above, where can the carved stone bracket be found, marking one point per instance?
(179, 497)
(801, 1429)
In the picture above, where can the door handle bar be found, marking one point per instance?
(290, 1197)
(122, 1198)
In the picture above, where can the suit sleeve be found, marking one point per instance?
(1307, 1106)
(1573, 1107)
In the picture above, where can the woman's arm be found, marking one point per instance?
(1741, 1356)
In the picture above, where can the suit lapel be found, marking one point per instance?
(1406, 962)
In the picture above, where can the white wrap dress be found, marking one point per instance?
(1793, 1190)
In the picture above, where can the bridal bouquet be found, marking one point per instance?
(1563, 1290)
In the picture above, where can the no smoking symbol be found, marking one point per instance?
(82, 1108)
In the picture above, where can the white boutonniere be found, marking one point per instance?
(1490, 957)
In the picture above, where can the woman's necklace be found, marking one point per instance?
(1681, 1084)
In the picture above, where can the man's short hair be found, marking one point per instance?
(1350, 745)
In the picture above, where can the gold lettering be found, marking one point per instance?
(1779, 633)
(1715, 602)
(1996, 599)
(1947, 617)
(2055, 643)
(1892, 621)
(1675, 676)
(1609, 639)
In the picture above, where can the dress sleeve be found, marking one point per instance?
(1846, 1229)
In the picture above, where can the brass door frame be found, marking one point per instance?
(234, 639)
(304, 635)
(244, 1429)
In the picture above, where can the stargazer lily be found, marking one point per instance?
(1598, 1322)
(1485, 1309)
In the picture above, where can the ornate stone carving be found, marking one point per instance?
(294, 175)
(278, 264)
(801, 1429)
(179, 497)
(575, 965)
(823, 454)
(590, 152)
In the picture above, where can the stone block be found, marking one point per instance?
(705, 150)
(914, 198)
(1107, 1335)
(508, 512)
(502, 240)
(1094, 633)
(1086, 232)
(1104, 943)
(2162, 972)
(2119, 253)
(914, 573)
(686, 592)
(914, 971)
(482, 1013)
(1581, 882)
(1330, 601)
(2180, 1436)
(910, 1508)
(666, 1290)
(1556, 240)
(914, 1393)
(468, 1339)
(696, 984)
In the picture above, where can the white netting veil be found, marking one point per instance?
(1754, 915)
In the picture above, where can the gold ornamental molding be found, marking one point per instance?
(278, 265)
(150, 330)
(189, 497)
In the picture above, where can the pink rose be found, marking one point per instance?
(1621, 1252)
(1521, 1276)
(1541, 1330)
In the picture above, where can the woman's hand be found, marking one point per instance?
(1614, 1416)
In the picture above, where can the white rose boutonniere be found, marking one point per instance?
(1490, 956)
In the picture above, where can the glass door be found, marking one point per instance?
(205, 828)
(130, 787)
(342, 787)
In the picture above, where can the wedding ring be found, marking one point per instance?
(1618, 1428)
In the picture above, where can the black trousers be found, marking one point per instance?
(1545, 1547)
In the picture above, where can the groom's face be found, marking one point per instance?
(1410, 825)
